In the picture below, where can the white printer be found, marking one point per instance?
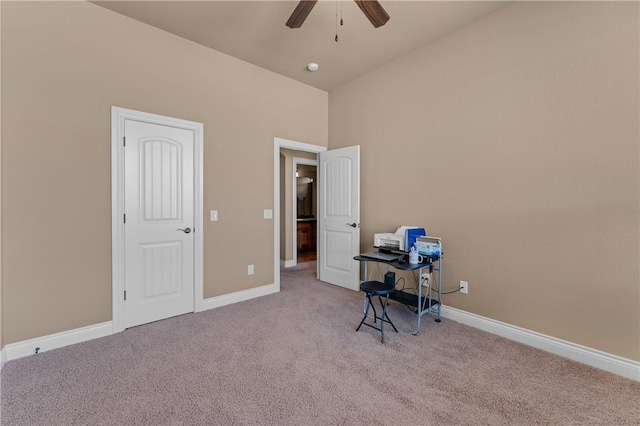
(401, 240)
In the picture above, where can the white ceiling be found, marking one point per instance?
(255, 31)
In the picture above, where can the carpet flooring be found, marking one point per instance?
(294, 358)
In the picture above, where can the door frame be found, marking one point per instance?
(294, 206)
(118, 117)
(297, 146)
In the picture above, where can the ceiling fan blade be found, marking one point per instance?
(373, 11)
(300, 13)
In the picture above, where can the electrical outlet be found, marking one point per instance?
(426, 279)
(464, 287)
(250, 270)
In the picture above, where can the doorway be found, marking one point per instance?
(305, 209)
(284, 224)
(338, 231)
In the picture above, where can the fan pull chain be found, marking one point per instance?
(336, 21)
(341, 20)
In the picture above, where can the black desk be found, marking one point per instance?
(423, 304)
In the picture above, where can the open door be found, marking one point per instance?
(339, 216)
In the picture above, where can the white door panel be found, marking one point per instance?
(159, 205)
(339, 216)
(160, 270)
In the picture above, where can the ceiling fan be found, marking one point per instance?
(371, 9)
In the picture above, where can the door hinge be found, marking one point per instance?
(125, 295)
(124, 141)
(125, 217)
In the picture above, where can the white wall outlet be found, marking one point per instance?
(214, 215)
(426, 279)
(250, 270)
(268, 214)
(464, 287)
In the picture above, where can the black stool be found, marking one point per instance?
(377, 288)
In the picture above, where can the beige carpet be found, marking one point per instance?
(293, 358)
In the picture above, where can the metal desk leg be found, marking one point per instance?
(439, 287)
(419, 300)
(365, 306)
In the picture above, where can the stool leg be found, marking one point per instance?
(375, 314)
(384, 317)
(384, 313)
(366, 311)
(389, 320)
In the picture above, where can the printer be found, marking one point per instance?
(401, 240)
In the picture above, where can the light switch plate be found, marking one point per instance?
(214, 215)
(268, 214)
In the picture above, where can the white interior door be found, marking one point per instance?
(159, 222)
(339, 216)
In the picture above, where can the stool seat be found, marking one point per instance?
(377, 288)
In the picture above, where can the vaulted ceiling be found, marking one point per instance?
(255, 31)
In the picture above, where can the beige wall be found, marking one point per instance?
(516, 140)
(1, 40)
(64, 64)
(286, 199)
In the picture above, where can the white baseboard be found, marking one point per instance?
(593, 357)
(46, 343)
(238, 296)
(3, 357)
(287, 263)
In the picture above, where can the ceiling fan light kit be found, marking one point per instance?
(371, 9)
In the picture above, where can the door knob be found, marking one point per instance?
(353, 225)
(185, 230)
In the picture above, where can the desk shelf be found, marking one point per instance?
(410, 299)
